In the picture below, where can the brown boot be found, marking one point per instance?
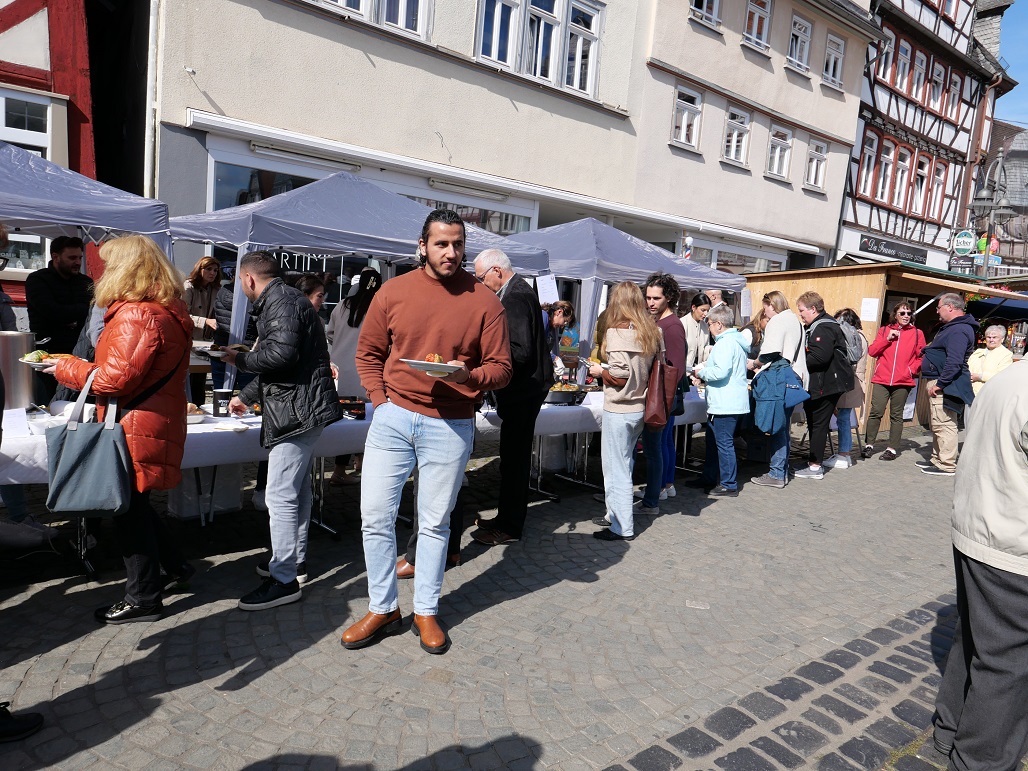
(371, 628)
(433, 638)
(404, 569)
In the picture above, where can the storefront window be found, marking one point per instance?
(25, 253)
(501, 223)
(236, 185)
(744, 263)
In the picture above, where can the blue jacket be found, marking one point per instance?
(725, 375)
(956, 341)
(956, 394)
(769, 397)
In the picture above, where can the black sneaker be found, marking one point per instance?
(301, 570)
(868, 451)
(601, 521)
(125, 612)
(14, 727)
(924, 464)
(271, 594)
(610, 535)
(936, 471)
(723, 492)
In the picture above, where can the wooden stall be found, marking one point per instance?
(872, 290)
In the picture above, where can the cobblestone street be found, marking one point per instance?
(784, 628)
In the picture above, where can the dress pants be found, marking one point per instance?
(895, 397)
(982, 706)
(819, 413)
(944, 433)
(517, 431)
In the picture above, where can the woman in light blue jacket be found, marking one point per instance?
(728, 400)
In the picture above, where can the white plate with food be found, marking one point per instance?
(433, 368)
(41, 359)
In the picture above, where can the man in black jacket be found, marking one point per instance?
(298, 399)
(831, 375)
(519, 402)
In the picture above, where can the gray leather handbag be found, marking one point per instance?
(89, 464)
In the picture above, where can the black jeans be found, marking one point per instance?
(819, 421)
(517, 431)
(146, 546)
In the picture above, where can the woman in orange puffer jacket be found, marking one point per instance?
(142, 358)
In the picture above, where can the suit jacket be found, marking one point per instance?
(529, 353)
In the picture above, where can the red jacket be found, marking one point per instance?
(899, 361)
(141, 343)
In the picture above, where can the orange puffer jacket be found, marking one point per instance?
(141, 343)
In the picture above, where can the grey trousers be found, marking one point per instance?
(982, 706)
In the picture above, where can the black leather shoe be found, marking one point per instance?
(610, 535)
(125, 612)
(601, 521)
(867, 452)
(14, 727)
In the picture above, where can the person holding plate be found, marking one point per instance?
(439, 311)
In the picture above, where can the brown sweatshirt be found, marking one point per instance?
(415, 315)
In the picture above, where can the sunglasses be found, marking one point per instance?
(903, 313)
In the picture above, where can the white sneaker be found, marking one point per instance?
(839, 461)
(810, 473)
(669, 492)
(640, 494)
(258, 500)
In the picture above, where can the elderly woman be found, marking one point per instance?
(141, 358)
(987, 362)
(629, 345)
(697, 335)
(728, 400)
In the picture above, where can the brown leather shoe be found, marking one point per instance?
(490, 537)
(486, 521)
(453, 560)
(433, 638)
(404, 569)
(371, 628)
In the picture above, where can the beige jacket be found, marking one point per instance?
(784, 334)
(626, 360)
(697, 341)
(987, 364)
(989, 520)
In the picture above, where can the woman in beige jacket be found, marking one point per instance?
(989, 361)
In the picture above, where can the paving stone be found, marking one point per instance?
(883, 636)
(925, 694)
(913, 713)
(655, 758)
(834, 762)
(891, 672)
(857, 696)
(904, 627)
(841, 658)
(920, 616)
(819, 673)
(863, 647)
(890, 733)
(801, 737)
(761, 705)
(728, 723)
(913, 763)
(744, 759)
(933, 680)
(694, 743)
(822, 721)
(789, 688)
(868, 754)
(839, 708)
(775, 750)
(907, 663)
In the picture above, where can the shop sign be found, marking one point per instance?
(964, 242)
(894, 249)
(958, 262)
(994, 259)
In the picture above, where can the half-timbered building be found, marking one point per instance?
(925, 119)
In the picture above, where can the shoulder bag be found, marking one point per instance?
(660, 392)
(795, 393)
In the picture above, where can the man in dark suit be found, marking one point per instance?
(519, 402)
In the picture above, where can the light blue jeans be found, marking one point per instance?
(397, 441)
(844, 419)
(621, 431)
(14, 499)
(289, 498)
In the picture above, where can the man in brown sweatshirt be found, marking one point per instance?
(439, 310)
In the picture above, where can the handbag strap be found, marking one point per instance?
(80, 403)
(154, 388)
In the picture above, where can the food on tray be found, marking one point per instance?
(39, 356)
(565, 387)
(192, 409)
(435, 358)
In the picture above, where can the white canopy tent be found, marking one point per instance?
(41, 198)
(340, 214)
(595, 254)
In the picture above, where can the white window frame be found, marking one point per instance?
(799, 43)
(917, 81)
(903, 62)
(687, 116)
(736, 136)
(706, 11)
(779, 152)
(902, 180)
(937, 87)
(919, 186)
(514, 37)
(402, 11)
(883, 177)
(869, 157)
(886, 53)
(533, 55)
(954, 96)
(576, 39)
(817, 164)
(834, 59)
(758, 23)
(374, 12)
(938, 189)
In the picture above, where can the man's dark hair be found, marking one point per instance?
(668, 285)
(61, 243)
(261, 264)
(445, 216)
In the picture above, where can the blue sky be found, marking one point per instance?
(1014, 106)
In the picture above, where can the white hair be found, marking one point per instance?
(997, 328)
(493, 258)
(722, 313)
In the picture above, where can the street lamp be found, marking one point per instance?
(992, 201)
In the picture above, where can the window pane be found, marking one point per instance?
(392, 14)
(488, 19)
(546, 5)
(28, 116)
(411, 18)
(582, 17)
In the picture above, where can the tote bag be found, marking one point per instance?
(660, 392)
(89, 464)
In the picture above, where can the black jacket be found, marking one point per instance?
(58, 307)
(529, 353)
(223, 317)
(827, 362)
(294, 382)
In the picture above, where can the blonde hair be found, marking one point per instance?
(627, 306)
(136, 270)
(776, 300)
